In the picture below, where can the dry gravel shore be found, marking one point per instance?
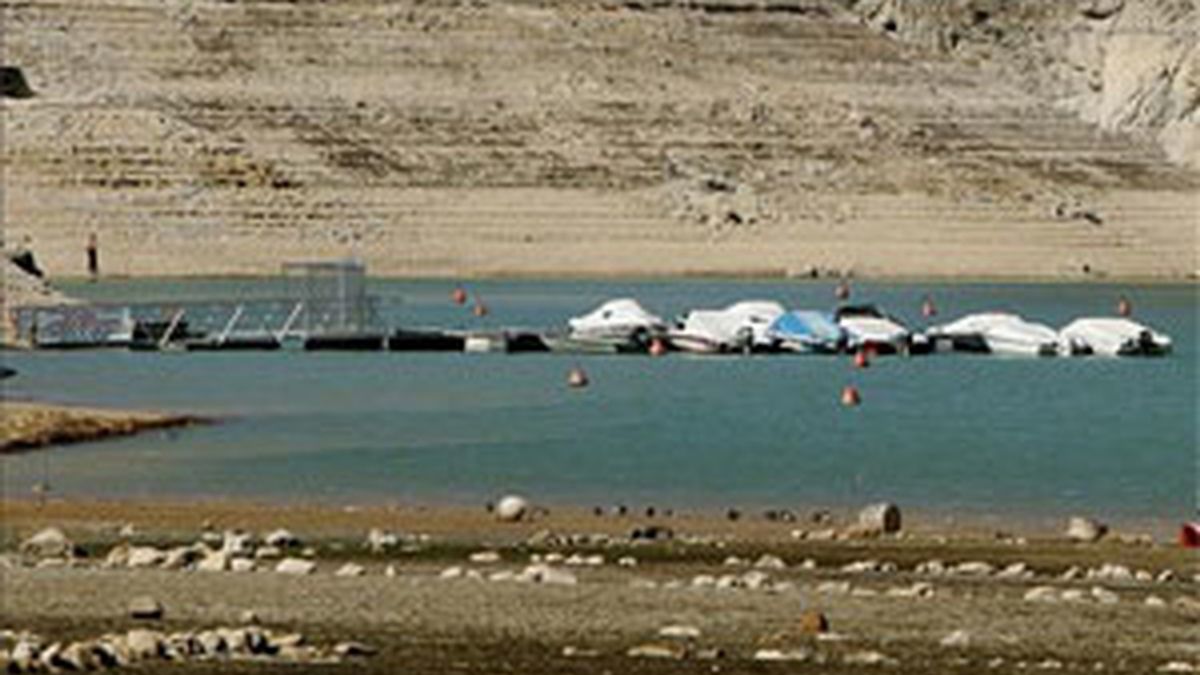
(905, 613)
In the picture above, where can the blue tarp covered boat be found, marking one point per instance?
(807, 332)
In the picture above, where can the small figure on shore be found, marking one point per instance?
(928, 309)
(842, 292)
(1124, 306)
(459, 295)
(93, 256)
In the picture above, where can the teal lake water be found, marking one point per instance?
(942, 432)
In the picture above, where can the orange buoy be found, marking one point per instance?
(480, 309)
(1124, 307)
(657, 347)
(928, 309)
(577, 378)
(459, 295)
(842, 291)
(850, 396)
(861, 359)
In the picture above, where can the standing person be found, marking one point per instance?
(93, 256)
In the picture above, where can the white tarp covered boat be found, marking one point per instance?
(619, 319)
(999, 333)
(741, 326)
(1113, 336)
(869, 328)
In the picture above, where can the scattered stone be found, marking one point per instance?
(1072, 595)
(144, 644)
(145, 607)
(974, 569)
(49, 543)
(959, 638)
(734, 561)
(834, 588)
(793, 655)
(861, 567)
(770, 562)
(1084, 529)
(511, 508)
(1105, 596)
(1072, 573)
(883, 517)
(1165, 576)
(295, 566)
(217, 561)
(868, 658)
(813, 622)
(485, 558)
(1042, 594)
(242, 565)
(571, 651)
(679, 632)
(658, 650)
(248, 616)
(920, 590)
(451, 573)
(1177, 667)
(1099, 10)
(353, 649)
(1155, 601)
(281, 538)
(627, 561)
(710, 654)
(545, 574)
(268, 553)
(379, 540)
(350, 570)
(1018, 570)
(236, 543)
(1050, 664)
(931, 567)
(703, 581)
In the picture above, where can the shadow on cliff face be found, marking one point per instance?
(13, 83)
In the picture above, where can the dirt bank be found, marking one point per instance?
(28, 426)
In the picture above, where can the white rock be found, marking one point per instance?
(809, 564)
(1072, 573)
(451, 573)
(511, 508)
(917, 590)
(1050, 664)
(704, 581)
(734, 561)
(867, 658)
(217, 561)
(1177, 667)
(144, 644)
(882, 517)
(656, 651)
(502, 575)
(834, 588)
(770, 562)
(350, 570)
(679, 631)
(242, 565)
(959, 638)
(627, 561)
(932, 567)
(794, 655)
(1155, 601)
(236, 543)
(861, 567)
(268, 553)
(485, 558)
(390, 571)
(1018, 570)
(49, 543)
(281, 538)
(1165, 576)
(1085, 529)
(1105, 596)
(295, 566)
(1073, 595)
(1042, 594)
(974, 569)
(545, 574)
(145, 607)
(379, 540)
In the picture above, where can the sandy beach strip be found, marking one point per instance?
(27, 425)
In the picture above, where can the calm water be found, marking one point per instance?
(983, 434)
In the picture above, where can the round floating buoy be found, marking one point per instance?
(928, 309)
(459, 295)
(850, 396)
(861, 360)
(577, 378)
(1124, 307)
(480, 309)
(657, 347)
(842, 291)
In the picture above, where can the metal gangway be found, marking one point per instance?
(318, 303)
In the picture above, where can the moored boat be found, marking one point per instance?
(807, 332)
(1113, 336)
